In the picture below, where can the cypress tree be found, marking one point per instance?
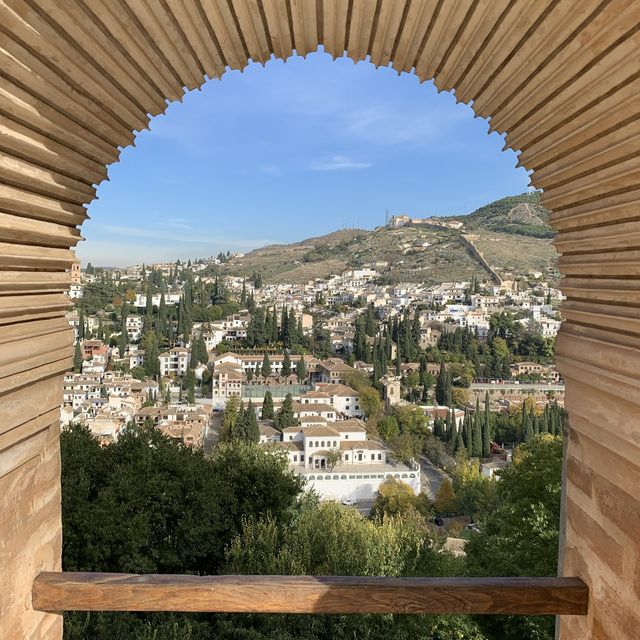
(468, 435)
(190, 383)
(448, 390)
(398, 364)
(266, 366)
(81, 326)
(238, 427)
(292, 330)
(77, 358)
(476, 448)
(286, 417)
(149, 302)
(441, 386)
(162, 317)
(527, 430)
(284, 326)
(301, 370)
(360, 339)
(123, 330)
(243, 293)
(274, 325)
(456, 433)
(151, 360)
(486, 428)
(438, 429)
(416, 331)
(387, 345)
(267, 406)
(286, 365)
(268, 328)
(459, 443)
(181, 325)
(252, 431)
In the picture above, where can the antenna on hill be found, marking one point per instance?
(386, 217)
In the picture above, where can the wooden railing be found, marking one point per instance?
(308, 594)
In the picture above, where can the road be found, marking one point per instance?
(430, 477)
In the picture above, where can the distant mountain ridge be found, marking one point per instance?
(513, 234)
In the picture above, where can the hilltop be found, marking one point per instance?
(513, 234)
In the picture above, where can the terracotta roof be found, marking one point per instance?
(350, 425)
(312, 432)
(290, 445)
(318, 407)
(360, 444)
(266, 430)
(316, 394)
(337, 390)
(312, 419)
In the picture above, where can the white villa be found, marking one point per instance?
(337, 459)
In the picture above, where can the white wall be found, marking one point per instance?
(357, 486)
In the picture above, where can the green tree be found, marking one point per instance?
(486, 427)
(252, 431)
(77, 357)
(229, 417)
(301, 370)
(190, 385)
(267, 406)
(151, 359)
(519, 535)
(476, 443)
(286, 365)
(388, 428)
(286, 418)
(445, 502)
(394, 498)
(266, 366)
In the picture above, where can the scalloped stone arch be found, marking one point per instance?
(560, 78)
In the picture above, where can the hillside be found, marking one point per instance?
(519, 215)
(512, 233)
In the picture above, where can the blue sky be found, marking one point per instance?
(292, 150)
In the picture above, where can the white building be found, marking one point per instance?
(170, 299)
(174, 362)
(338, 461)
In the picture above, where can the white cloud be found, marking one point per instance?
(177, 223)
(339, 163)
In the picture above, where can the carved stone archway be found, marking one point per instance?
(560, 77)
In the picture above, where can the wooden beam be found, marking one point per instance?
(308, 594)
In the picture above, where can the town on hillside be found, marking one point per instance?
(355, 381)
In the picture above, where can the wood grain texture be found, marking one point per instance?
(560, 77)
(308, 594)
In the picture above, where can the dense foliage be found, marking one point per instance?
(147, 504)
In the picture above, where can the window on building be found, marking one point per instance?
(379, 456)
(295, 458)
